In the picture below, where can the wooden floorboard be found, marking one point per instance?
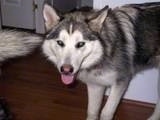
(33, 91)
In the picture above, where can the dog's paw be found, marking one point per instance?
(152, 118)
(104, 117)
(92, 117)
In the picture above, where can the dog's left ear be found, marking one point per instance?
(50, 17)
(97, 19)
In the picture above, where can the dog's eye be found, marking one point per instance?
(80, 44)
(60, 43)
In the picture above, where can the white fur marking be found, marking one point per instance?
(71, 29)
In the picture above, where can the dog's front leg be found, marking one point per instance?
(117, 91)
(95, 96)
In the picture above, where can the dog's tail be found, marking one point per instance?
(17, 43)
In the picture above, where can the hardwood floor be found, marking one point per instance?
(33, 91)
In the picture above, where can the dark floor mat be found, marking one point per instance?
(4, 112)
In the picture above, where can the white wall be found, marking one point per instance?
(144, 86)
(113, 3)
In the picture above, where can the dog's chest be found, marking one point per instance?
(98, 77)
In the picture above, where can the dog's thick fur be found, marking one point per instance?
(104, 49)
(14, 43)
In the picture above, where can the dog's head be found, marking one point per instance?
(71, 43)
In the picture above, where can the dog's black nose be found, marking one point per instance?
(67, 69)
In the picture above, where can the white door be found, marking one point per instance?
(18, 13)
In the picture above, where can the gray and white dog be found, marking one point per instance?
(104, 49)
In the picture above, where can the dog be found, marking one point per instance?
(104, 49)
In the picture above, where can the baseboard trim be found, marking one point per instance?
(138, 103)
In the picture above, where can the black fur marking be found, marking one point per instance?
(147, 36)
(52, 34)
(149, 4)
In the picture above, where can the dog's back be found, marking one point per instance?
(147, 34)
(140, 24)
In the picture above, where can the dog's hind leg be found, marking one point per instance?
(156, 113)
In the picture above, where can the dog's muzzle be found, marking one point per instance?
(67, 75)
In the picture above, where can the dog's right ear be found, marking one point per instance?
(96, 20)
(50, 17)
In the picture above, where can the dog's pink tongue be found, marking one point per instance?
(67, 79)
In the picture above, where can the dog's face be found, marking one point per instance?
(70, 44)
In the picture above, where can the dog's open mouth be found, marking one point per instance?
(67, 79)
